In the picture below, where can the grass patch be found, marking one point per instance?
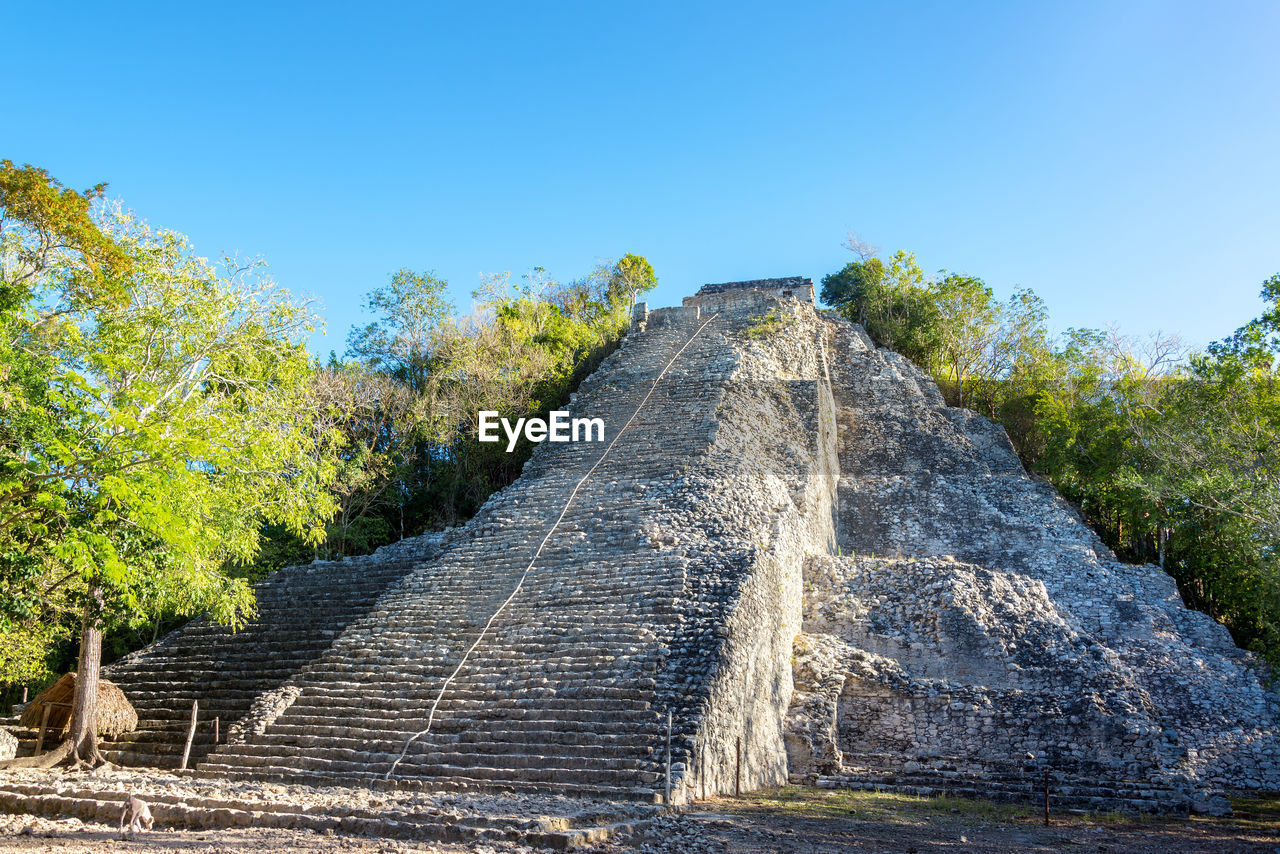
(891, 807)
(766, 325)
(1256, 813)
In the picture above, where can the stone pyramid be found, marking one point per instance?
(789, 546)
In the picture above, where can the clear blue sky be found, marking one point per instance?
(1121, 158)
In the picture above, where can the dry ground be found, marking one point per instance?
(816, 821)
(804, 821)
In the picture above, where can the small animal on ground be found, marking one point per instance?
(138, 813)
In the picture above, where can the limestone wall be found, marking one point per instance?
(740, 733)
(764, 493)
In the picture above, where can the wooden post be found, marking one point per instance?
(191, 734)
(1046, 797)
(215, 728)
(44, 721)
(737, 767)
(666, 799)
(24, 695)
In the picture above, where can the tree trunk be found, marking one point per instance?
(48, 759)
(342, 531)
(83, 737)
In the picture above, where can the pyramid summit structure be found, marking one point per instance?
(789, 547)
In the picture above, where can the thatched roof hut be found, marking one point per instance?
(116, 715)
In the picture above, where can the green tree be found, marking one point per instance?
(1214, 439)
(403, 338)
(174, 419)
(630, 277)
(1257, 342)
(44, 225)
(373, 421)
(848, 290)
(45, 229)
(966, 331)
(1217, 434)
(1084, 430)
(892, 302)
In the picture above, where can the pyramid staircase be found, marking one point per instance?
(560, 693)
(301, 610)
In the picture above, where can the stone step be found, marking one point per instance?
(495, 699)
(286, 775)
(213, 656)
(285, 733)
(447, 720)
(532, 773)
(226, 690)
(280, 744)
(434, 826)
(423, 753)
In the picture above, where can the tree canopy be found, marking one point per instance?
(156, 413)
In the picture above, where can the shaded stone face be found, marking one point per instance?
(8, 745)
(792, 287)
(794, 548)
(793, 282)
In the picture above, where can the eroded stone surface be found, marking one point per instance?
(972, 631)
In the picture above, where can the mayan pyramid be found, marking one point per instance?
(791, 546)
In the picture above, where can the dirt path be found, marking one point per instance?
(790, 821)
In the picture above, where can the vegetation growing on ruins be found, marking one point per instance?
(1173, 457)
(166, 439)
(768, 324)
